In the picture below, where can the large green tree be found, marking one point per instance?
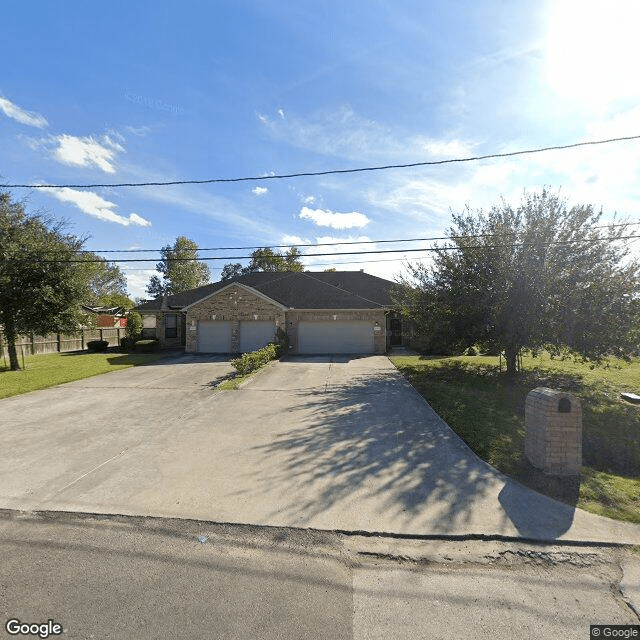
(43, 280)
(541, 275)
(179, 268)
(265, 260)
(108, 285)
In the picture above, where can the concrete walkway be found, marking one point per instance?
(342, 444)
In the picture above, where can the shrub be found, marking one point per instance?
(470, 352)
(147, 346)
(127, 343)
(133, 328)
(97, 345)
(282, 341)
(249, 362)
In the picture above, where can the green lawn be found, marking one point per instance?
(44, 371)
(486, 409)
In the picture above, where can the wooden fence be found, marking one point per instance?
(60, 342)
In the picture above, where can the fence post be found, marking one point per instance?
(59, 342)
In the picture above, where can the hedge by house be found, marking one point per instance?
(249, 362)
(98, 345)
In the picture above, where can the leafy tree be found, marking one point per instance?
(157, 287)
(265, 260)
(269, 260)
(179, 269)
(107, 283)
(43, 281)
(231, 270)
(541, 275)
(292, 260)
(116, 300)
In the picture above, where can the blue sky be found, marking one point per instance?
(167, 90)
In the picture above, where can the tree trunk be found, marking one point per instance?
(10, 336)
(511, 358)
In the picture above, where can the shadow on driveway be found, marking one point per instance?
(370, 443)
(376, 439)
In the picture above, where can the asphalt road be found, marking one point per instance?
(139, 578)
(336, 444)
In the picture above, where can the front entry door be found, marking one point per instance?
(395, 332)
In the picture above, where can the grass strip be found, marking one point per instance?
(49, 370)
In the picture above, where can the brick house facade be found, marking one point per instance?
(235, 303)
(327, 312)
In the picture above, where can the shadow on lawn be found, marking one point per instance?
(611, 428)
(377, 439)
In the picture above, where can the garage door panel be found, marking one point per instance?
(335, 336)
(214, 336)
(255, 334)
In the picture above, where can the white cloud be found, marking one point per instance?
(92, 204)
(29, 118)
(137, 282)
(294, 240)
(83, 152)
(326, 218)
(435, 148)
(140, 131)
(309, 200)
(259, 191)
(134, 218)
(201, 202)
(344, 133)
(281, 113)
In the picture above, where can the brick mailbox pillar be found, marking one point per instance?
(553, 425)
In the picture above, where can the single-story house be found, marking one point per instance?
(320, 312)
(108, 317)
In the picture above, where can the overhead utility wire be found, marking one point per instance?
(355, 253)
(303, 174)
(315, 264)
(331, 244)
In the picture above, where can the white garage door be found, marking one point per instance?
(335, 336)
(255, 334)
(214, 336)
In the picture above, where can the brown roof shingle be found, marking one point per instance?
(299, 290)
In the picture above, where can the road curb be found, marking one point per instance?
(630, 583)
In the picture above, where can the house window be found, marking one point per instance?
(171, 326)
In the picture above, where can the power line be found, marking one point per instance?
(345, 242)
(327, 172)
(315, 264)
(353, 253)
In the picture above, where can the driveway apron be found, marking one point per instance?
(328, 443)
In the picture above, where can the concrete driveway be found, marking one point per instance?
(326, 443)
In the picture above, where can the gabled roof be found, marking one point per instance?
(112, 311)
(295, 290)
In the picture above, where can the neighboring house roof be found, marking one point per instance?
(295, 290)
(113, 311)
